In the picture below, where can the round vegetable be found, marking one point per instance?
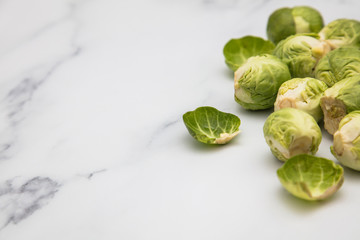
(341, 32)
(303, 94)
(339, 100)
(338, 64)
(290, 132)
(301, 53)
(237, 51)
(289, 21)
(257, 81)
(311, 178)
(346, 147)
(211, 126)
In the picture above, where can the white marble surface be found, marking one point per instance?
(92, 143)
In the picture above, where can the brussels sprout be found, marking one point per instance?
(341, 32)
(211, 126)
(301, 53)
(258, 80)
(338, 100)
(290, 132)
(311, 178)
(338, 64)
(237, 51)
(346, 147)
(303, 94)
(289, 21)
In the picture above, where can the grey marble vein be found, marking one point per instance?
(21, 94)
(162, 128)
(20, 198)
(227, 4)
(92, 174)
(220, 3)
(70, 14)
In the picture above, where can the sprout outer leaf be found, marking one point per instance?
(339, 100)
(307, 19)
(341, 32)
(285, 22)
(311, 178)
(338, 64)
(303, 94)
(237, 51)
(290, 132)
(301, 53)
(275, 30)
(211, 126)
(257, 81)
(346, 143)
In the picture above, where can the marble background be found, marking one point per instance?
(92, 142)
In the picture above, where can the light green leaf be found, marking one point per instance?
(211, 126)
(237, 51)
(311, 178)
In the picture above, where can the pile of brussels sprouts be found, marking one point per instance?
(307, 73)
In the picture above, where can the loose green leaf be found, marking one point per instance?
(211, 126)
(237, 51)
(311, 178)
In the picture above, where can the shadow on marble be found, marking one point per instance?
(350, 174)
(271, 162)
(228, 73)
(256, 114)
(195, 145)
(304, 207)
(325, 134)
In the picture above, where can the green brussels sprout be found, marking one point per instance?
(301, 53)
(290, 21)
(341, 32)
(339, 100)
(211, 126)
(258, 80)
(346, 145)
(237, 51)
(311, 178)
(290, 132)
(338, 64)
(303, 94)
